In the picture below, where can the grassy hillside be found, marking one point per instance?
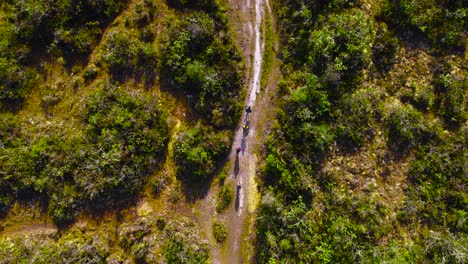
(107, 106)
(367, 159)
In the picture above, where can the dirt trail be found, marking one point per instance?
(247, 19)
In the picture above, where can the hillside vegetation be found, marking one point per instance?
(99, 100)
(367, 160)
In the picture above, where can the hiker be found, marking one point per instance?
(248, 109)
(239, 185)
(245, 127)
(238, 149)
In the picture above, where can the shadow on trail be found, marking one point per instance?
(236, 166)
(237, 203)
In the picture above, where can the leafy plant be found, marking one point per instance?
(220, 231)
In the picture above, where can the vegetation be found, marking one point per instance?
(366, 160)
(87, 90)
(65, 29)
(354, 122)
(201, 60)
(197, 150)
(124, 139)
(225, 197)
(142, 240)
(220, 231)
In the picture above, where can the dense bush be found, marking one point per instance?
(406, 127)
(336, 50)
(452, 93)
(225, 197)
(121, 56)
(201, 59)
(124, 141)
(355, 117)
(197, 151)
(205, 5)
(220, 231)
(384, 48)
(439, 174)
(303, 120)
(324, 204)
(442, 22)
(71, 26)
(178, 250)
(65, 29)
(15, 79)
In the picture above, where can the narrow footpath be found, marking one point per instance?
(248, 20)
(244, 163)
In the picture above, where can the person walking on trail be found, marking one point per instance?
(238, 149)
(245, 127)
(248, 109)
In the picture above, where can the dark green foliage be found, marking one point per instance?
(197, 151)
(32, 28)
(336, 50)
(127, 58)
(341, 46)
(303, 120)
(442, 22)
(205, 5)
(121, 56)
(71, 26)
(147, 62)
(15, 79)
(201, 60)
(384, 49)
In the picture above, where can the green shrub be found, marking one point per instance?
(406, 127)
(201, 60)
(452, 93)
(178, 250)
(147, 62)
(197, 151)
(220, 231)
(225, 197)
(384, 49)
(442, 22)
(355, 116)
(437, 172)
(90, 73)
(206, 5)
(121, 56)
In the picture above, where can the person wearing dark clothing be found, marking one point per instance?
(238, 149)
(248, 109)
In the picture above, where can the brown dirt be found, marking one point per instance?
(243, 167)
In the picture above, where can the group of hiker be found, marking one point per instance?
(248, 109)
(245, 127)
